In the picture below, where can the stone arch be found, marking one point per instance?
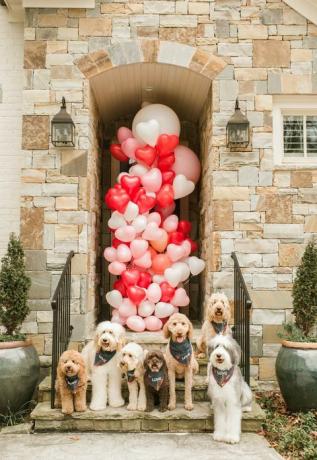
(151, 51)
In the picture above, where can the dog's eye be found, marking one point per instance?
(174, 324)
(183, 324)
(110, 332)
(130, 356)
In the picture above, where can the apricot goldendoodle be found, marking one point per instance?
(71, 383)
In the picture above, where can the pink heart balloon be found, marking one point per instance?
(136, 323)
(180, 298)
(138, 170)
(129, 147)
(175, 252)
(116, 220)
(110, 254)
(116, 318)
(139, 223)
(114, 298)
(152, 180)
(152, 232)
(170, 224)
(127, 308)
(187, 247)
(166, 211)
(138, 247)
(152, 323)
(116, 268)
(158, 279)
(123, 253)
(154, 292)
(125, 234)
(154, 217)
(123, 134)
(164, 309)
(182, 186)
(145, 261)
(146, 308)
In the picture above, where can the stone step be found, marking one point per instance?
(200, 419)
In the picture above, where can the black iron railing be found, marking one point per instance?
(242, 307)
(62, 329)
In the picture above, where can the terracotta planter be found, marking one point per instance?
(19, 374)
(296, 371)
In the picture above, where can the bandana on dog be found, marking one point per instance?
(131, 376)
(222, 376)
(155, 379)
(181, 351)
(72, 382)
(220, 328)
(103, 357)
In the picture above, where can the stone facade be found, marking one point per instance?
(252, 49)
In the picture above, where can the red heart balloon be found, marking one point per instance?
(176, 237)
(136, 294)
(137, 194)
(131, 184)
(116, 152)
(130, 277)
(146, 154)
(165, 163)
(167, 292)
(168, 177)
(144, 280)
(145, 203)
(117, 199)
(184, 226)
(165, 197)
(166, 144)
(193, 244)
(119, 285)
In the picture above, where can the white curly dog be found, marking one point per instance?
(229, 393)
(131, 363)
(101, 356)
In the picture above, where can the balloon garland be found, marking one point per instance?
(151, 252)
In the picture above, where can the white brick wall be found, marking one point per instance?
(11, 78)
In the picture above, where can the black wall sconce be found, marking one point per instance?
(238, 130)
(63, 128)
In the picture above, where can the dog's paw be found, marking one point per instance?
(141, 407)
(171, 406)
(67, 411)
(201, 355)
(131, 407)
(163, 409)
(247, 409)
(189, 406)
(96, 407)
(81, 408)
(232, 439)
(117, 403)
(219, 437)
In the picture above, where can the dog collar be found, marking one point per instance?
(155, 379)
(103, 357)
(181, 351)
(72, 382)
(220, 328)
(131, 376)
(222, 376)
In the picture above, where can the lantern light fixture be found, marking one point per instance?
(63, 128)
(238, 129)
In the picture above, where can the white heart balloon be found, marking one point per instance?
(154, 292)
(114, 298)
(146, 308)
(126, 233)
(182, 186)
(138, 247)
(139, 223)
(184, 268)
(152, 232)
(158, 279)
(148, 131)
(173, 275)
(131, 212)
(138, 170)
(116, 220)
(163, 309)
(195, 264)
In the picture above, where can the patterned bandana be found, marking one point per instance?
(103, 357)
(222, 376)
(220, 328)
(72, 382)
(181, 351)
(155, 379)
(131, 376)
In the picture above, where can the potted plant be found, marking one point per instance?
(19, 362)
(296, 363)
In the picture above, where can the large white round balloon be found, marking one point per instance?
(166, 118)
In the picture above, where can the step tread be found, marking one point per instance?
(201, 410)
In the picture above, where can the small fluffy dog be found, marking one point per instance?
(216, 322)
(102, 361)
(131, 363)
(229, 393)
(180, 359)
(71, 383)
(156, 380)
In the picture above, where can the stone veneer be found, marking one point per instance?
(253, 49)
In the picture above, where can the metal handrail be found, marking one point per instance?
(62, 329)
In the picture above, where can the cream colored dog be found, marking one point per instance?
(102, 362)
(131, 363)
(180, 359)
(216, 322)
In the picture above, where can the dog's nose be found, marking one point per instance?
(68, 368)
(122, 363)
(218, 356)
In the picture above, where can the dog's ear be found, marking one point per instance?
(190, 332)
(236, 351)
(96, 340)
(121, 342)
(82, 375)
(166, 331)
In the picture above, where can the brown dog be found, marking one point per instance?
(71, 383)
(180, 359)
(156, 380)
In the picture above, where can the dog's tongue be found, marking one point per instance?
(179, 339)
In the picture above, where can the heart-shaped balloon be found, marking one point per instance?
(129, 147)
(117, 153)
(123, 134)
(170, 224)
(180, 298)
(138, 247)
(123, 253)
(131, 212)
(136, 294)
(116, 268)
(160, 244)
(152, 180)
(176, 237)
(154, 217)
(167, 292)
(136, 323)
(186, 247)
(173, 275)
(145, 203)
(146, 154)
(144, 280)
(175, 252)
(168, 177)
(152, 232)
(165, 163)
(127, 308)
(115, 242)
(114, 298)
(144, 261)
(148, 131)
(165, 197)
(154, 292)
(139, 223)
(159, 279)
(185, 227)
(166, 144)
(163, 309)
(182, 186)
(196, 265)
(160, 262)
(130, 183)
(130, 277)
(184, 268)
(110, 254)
(193, 244)
(117, 199)
(139, 170)
(119, 286)
(126, 233)
(116, 220)
(165, 211)
(152, 323)
(146, 308)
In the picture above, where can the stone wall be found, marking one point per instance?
(264, 213)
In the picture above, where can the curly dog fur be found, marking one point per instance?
(155, 364)
(70, 366)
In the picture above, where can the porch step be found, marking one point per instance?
(200, 419)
